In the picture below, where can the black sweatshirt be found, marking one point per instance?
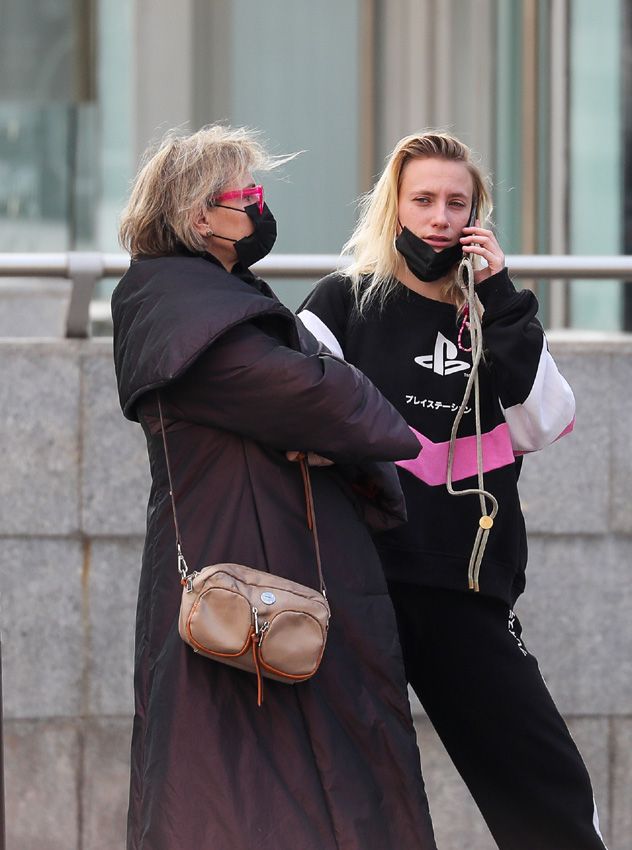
(411, 351)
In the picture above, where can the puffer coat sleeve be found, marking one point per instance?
(249, 383)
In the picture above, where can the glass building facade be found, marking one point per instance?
(539, 88)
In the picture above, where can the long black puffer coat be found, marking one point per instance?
(329, 764)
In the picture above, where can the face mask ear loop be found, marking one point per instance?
(465, 280)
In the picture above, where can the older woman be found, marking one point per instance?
(323, 765)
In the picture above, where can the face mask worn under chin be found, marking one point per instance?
(258, 245)
(424, 263)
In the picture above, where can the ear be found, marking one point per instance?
(201, 221)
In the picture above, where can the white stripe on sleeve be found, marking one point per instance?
(546, 413)
(320, 330)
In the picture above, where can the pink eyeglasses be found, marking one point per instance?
(254, 192)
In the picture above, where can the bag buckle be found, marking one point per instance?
(188, 581)
(182, 565)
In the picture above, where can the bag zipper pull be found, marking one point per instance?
(263, 630)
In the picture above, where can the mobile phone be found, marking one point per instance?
(478, 263)
(473, 212)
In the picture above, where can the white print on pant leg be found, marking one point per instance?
(596, 822)
(511, 627)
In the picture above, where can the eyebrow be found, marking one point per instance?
(462, 195)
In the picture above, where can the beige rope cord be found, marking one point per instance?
(465, 280)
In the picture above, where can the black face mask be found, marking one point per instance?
(258, 245)
(424, 263)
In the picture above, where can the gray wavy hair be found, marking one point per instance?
(177, 179)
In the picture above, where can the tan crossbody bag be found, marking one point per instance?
(250, 619)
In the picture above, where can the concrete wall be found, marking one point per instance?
(73, 488)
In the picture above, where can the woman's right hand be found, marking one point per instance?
(483, 243)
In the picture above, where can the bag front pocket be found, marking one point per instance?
(293, 645)
(220, 622)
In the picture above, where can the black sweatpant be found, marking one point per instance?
(485, 696)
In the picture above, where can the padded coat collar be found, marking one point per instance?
(168, 310)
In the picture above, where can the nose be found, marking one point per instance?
(439, 216)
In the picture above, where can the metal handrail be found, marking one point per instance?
(305, 265)
(85, 269)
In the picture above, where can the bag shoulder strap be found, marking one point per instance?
(182, 564)
(309, 503)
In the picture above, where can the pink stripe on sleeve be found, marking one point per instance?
(431, 464)
(568, 429)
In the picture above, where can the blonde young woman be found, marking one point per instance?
(399, 314)
(330, 763)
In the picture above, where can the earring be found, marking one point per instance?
(209, 232)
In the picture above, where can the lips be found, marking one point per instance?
(437, 241)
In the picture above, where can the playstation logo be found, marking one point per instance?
(443, 361)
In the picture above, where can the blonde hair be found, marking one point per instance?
(372, 244)
(177, 180)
